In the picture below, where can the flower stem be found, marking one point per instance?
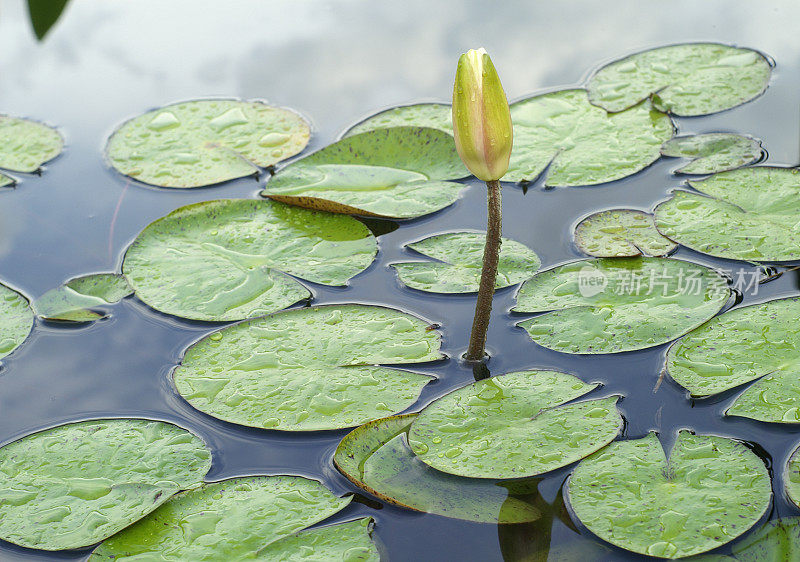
(491, 256)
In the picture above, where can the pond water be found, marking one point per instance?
(338, 62)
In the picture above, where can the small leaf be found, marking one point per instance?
(709, 491)
(611, 305)
(776, 541)
(513, 426)
(6, 181)
(25, 145)
(620, 233)
(309, 369)
(204, 142)
(714, 152)
(689, 79)
(460, 256)
(433, 115)
(228, 259)
(16, 320)
(75, 300)
(349, 542)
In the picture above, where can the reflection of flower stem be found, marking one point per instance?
(491, 257)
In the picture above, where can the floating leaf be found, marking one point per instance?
(228, 259)
(76, 484)
(433, 115)
(349, 542)
(203, 142)
(16, 320)
(580, 144)
(395, 172)
(74, 300)
(714, 152)
(25, 145)
(688, 79)
(233, 519)
(610, 305)
(710, 491)
(621, 233)
(749, 214)
(460, 256)
(776, 541)
(309, 369)
(513, 426)
(791, 477)
(5, 180)
(377, 458)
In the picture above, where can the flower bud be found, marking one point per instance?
(481, 117)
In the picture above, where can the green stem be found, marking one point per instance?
(491, 257)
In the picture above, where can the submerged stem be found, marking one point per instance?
(491, 257)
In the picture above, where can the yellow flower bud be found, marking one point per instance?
(481, 117)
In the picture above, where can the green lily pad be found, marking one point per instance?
(776, 541)
(709, 491)
(6, 181)
(580, 144)
(747, 214)
(309, 369)
(460, 256)
(396, 172)
(688, 79)
(610, 305)
(233, 519)
(621, 233)
(76, 484)
(75, 300)
(203, 142)
(377, 458)
(25, 145)
(513, 426)
(228, 259)
(433, 115)
(16, 320)
(349, 542)
(714, 152)
(791, 477)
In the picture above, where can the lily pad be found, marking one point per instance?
(580, 144)
(203, 142)
(76, 484)
(396, 172)
(714, 152)
(687, 79)
(349, 542)
(791, 477)
(709, 491)
(776, 541)
(433, 115)
(228, 259)
(610, 305)
(233, 519)
(377, 458)
(748, 214)
(5, 180)
(514, 426)
(749, 343)
(621, 233)
(460, 256)
(309, 369)
(25, 145)
(16, 320)
(77, 299)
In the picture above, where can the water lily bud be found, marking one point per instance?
(481, 118)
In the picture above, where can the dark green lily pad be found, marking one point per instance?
(581, 143)
(709, 491)
(396, 172)
(309, 369)
(688, 79)
(349, 542)
(714, 152)
(25, 145)
(16, 320)
(618, 233)
(234, 519)
(77, 299)
(513, 426)
(610, 305)
(460, 256)
(377, 458)
(749, 343)
(203, 142)
(748, 214)
(76, 484)
(776, 541)
(433, 115)
(228, 259)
